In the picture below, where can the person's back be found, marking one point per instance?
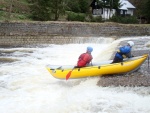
(85, 58)
(123, 52)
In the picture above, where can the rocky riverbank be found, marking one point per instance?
(139, 78)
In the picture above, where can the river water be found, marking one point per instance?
(27, 87)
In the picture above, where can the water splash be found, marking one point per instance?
(26, 86)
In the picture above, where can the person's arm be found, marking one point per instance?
(127, 50)
(89, 62)
(81, 56)
(128, 55)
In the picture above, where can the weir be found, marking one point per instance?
(36, 40)
(24, 33)
(7, 53)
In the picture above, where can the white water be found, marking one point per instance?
(27, 87)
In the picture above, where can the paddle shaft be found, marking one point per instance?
(69, 74)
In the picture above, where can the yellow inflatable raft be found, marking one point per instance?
(98, 69)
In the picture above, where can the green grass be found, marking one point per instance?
(4, 16)
(20, 10)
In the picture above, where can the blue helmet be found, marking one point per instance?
(89, 49)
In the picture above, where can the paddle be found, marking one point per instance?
(68, 75)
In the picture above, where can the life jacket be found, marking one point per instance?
(123, 52)
(84, 59)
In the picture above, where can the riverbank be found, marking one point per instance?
(139, 78)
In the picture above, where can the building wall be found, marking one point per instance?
(105, 13)
(130, 11)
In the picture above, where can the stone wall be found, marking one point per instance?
(15, 33)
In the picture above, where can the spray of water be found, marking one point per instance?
(27, 87)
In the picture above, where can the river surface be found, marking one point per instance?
(27, 87)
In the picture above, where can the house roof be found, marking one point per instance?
(125, 5)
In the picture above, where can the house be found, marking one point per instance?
(103, 8)
(126, 8)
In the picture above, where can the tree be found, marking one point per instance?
(58, 7)
(45, 10)
(40, 10)
(146, 11)
(10, 9)
(139, 4)
(73, 6)
(113, 4)
(79, 6)
(84, 6)
(142, 9)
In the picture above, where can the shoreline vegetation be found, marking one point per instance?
(81, 10)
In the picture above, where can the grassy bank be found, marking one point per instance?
(14, 10)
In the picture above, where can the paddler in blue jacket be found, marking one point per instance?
(123, 52)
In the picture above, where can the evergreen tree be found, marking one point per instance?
(45, 10)
(84, 6)
(146, 10)
(112, 4)
(73, 6)
(79, 6)
(58, 7)
(139, 4)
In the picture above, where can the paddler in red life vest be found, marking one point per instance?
(123, 52)
(85, 58)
